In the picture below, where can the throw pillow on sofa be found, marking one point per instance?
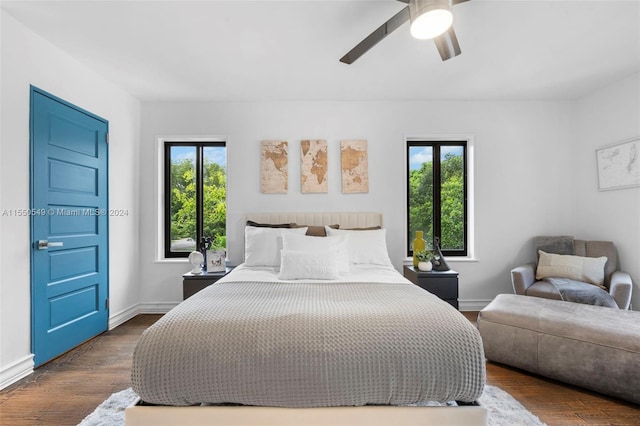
(586, 269)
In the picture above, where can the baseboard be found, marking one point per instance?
(123, 316)
(472, 304)
(16, 371)
(140, 308)
(156, 308)
(23, 367)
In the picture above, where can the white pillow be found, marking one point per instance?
(368, 246)
(262, 245)
(317, 265)
(307, 243)
(586, 269)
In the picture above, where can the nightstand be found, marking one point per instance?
(443, 284)
(193, 283)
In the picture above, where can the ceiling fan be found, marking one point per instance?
(429, 19)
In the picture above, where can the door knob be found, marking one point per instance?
(44, 244)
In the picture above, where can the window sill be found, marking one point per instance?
(177, 260)
(450, 259)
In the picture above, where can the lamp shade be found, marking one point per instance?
(429, 18)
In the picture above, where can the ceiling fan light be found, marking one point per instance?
(429, 18)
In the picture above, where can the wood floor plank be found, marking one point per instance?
(68, 388)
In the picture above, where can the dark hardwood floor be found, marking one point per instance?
(68, 388)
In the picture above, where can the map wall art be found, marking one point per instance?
(313, 166)
(274, 177)
(354, 165)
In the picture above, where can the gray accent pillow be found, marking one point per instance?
(557, 245)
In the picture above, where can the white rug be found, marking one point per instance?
(503, 409)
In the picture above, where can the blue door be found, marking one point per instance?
(69, 226)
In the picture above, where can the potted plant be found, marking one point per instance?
(424, 260)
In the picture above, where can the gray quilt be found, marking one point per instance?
(579, 292)
(310, 345)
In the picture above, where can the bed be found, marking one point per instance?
(310, 329)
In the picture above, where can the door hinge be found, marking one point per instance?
(106, 138)
(106, 304)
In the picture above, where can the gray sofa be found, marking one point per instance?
(593, 347)
(523, 278)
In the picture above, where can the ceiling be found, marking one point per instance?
(209, 50)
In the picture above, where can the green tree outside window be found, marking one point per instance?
(437, 194)
(195, 181)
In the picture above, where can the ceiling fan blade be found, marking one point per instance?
(380, 33)
(447, 44)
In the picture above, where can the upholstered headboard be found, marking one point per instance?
(344, 219)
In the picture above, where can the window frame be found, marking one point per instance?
(199, 144)
(437, 144)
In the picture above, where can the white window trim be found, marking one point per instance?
(470, 139)
(159, 192)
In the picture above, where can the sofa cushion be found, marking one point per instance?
(598, 249)
(615, 328)
(543, 289)
(586, 269)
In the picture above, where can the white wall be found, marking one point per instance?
(29, 59)
(607, 116)
(521, 149)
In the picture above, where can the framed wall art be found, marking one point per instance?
(355, 166)
(313, 166)
(274, 167)
(619, 165)
(216, 260)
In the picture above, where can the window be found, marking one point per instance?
(437, 194)
(195, 196)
